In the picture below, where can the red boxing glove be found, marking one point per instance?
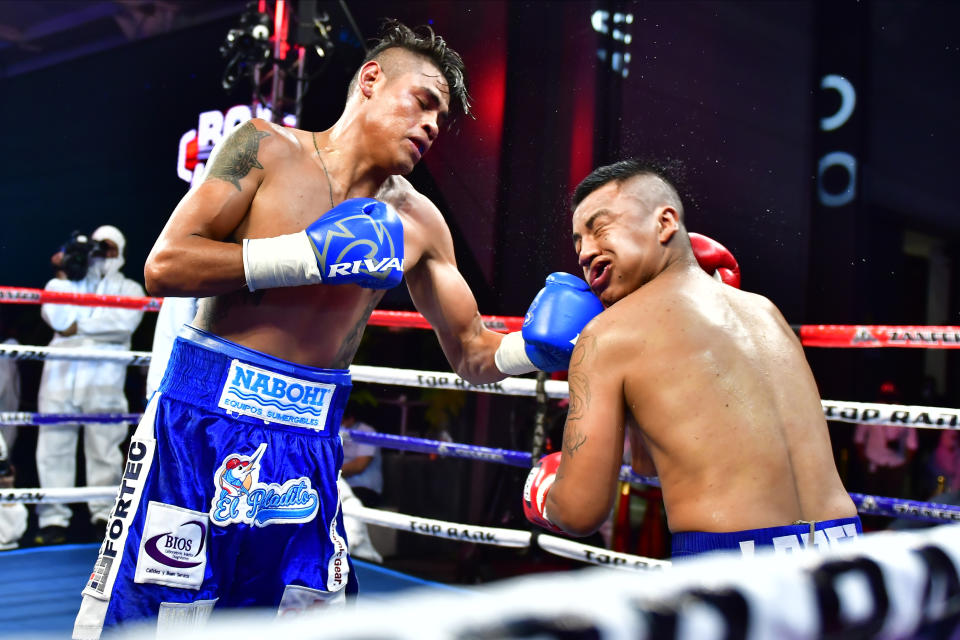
(715, 259)
(535, 491)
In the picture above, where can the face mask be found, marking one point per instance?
(97, 268)
(102, 267)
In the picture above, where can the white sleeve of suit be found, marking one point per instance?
(59, 316)
(113, 320)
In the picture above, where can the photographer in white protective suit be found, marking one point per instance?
(13, 517)
(70, 386)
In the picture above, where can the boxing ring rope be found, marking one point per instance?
(873, 336)
(893, 415)
(868, 504)
(26, 418)
(379, 318)
(494, 536)
(819, 335)
(24, 295)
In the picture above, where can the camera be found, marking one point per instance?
(77, 252)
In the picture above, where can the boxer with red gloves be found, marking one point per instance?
(709, 382)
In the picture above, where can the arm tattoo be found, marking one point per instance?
(238, 155)
(572, 439)
(352, 342)
(579, 384)
(579, 397)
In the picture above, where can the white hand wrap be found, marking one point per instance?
(283, 261)
(511, 356)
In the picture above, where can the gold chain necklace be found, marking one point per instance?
(324, 165)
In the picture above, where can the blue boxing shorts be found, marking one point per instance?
(229, 493)
(787, 539)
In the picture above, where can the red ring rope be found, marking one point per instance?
(872, 336)
(818, 335)
(22, 295)
(406, 319)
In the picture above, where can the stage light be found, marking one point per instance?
(617, 39)
(246, 46)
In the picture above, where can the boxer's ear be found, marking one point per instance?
(668, 222)
(368, 76)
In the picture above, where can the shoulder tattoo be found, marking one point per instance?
(237, 156)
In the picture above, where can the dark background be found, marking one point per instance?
(93, 109)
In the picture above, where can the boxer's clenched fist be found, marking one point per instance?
(550, 328)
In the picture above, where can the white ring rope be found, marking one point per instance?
(62, 495)
(894, 415)
(594, 555)
(556, 389)
(493, 536)
(440, 528)
(880, 415)
(34, 352)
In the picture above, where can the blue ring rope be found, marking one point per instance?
(879, 505)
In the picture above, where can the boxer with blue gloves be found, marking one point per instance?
(289, 240)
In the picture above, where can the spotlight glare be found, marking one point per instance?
(599, 21)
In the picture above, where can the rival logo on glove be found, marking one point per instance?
(371, 267)
(354, 234)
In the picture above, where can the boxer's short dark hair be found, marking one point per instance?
(623, 171)
(423, 42)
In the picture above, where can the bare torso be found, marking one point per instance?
(726, 406)
(316, 325)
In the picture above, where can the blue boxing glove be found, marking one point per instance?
(551, 327)
(360, 241)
